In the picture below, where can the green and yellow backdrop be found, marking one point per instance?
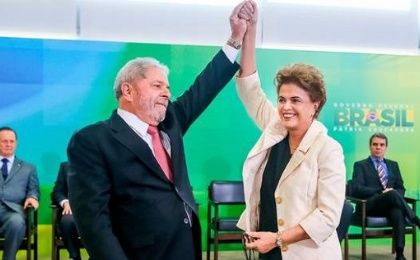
(51, 88)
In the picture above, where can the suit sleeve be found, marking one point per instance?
(218, 72)
(360, 188)
(89, 194)
(33, 184)
(256, 103)
(60, 191)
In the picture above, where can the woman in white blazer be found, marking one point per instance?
(294, 176)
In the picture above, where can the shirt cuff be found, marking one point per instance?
(62, 202)
(230, 52)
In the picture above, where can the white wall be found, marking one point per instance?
(391, 27)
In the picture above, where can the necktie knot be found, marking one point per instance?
(5, 160)
(152, 130)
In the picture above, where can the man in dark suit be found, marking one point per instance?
(65, 220)
(379, 181)
(18, 190)
(129, 188)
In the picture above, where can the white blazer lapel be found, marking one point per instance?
(273, 134)
(313, 140)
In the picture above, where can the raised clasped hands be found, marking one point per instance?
(249, 12)
(243, 16)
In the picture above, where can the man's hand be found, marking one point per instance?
(238, 20)
(66, 209)
(31, 202)
(249, 12)
(387, 189)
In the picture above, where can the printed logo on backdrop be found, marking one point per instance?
(358, 117)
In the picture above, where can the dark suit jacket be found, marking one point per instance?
(60, 190)
(120, 197)
(21, 183)
(366, 182)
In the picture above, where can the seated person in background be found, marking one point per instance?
(379, 181)
(19, 190)
(66, 224)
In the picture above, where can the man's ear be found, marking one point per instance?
(127, 91)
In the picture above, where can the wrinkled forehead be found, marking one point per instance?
(156, 74)
(7, 135)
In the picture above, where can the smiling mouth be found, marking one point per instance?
(288, 116)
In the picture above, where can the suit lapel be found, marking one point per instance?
(176, 158)
(271, 136)
(126, 136)
(389, 167)
(311, 142)
(294, 162)
(374, 171)
(17, 164)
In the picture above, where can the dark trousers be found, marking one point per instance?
(392, 205)
(70, 235)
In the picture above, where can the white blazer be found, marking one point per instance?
(311, 190)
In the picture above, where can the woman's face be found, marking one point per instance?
(295, 108)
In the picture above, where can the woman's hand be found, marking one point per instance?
(263, 241)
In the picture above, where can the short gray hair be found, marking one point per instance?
(136, 68)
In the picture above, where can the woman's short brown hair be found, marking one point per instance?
(306, 77)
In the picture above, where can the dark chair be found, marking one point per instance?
(345, 220)
(30, 241)
(57, 240)
(374, 227)
(222, 228)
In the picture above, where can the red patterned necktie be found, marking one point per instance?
(381, 173)
(160, 152)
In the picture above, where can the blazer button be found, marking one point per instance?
(280, 222)
(279, 200)
(185, 221)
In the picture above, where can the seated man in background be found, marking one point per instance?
(18, 190)
(65, 220)
(379, 181)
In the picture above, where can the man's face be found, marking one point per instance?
(7, 143)
(378, 147)
(151, 96)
